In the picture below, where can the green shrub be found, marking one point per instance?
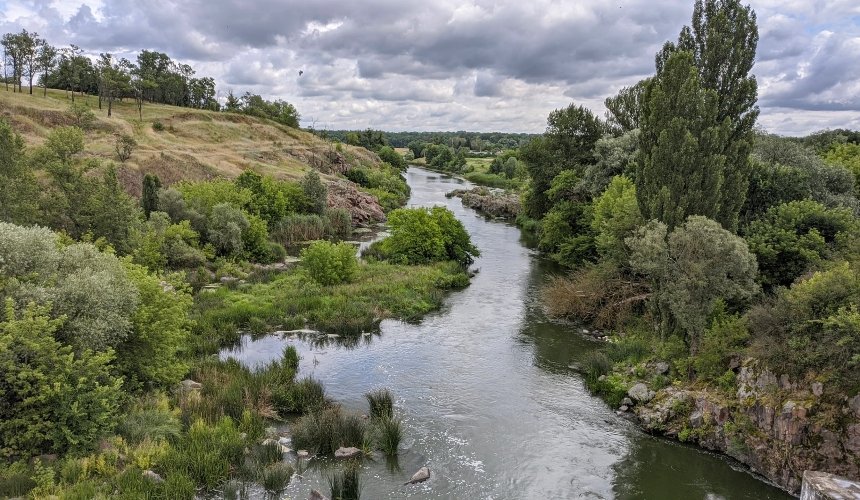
(381, 404)
(328, 429)
(345, 484)
(725, 337)
(315, 193)
(150, 418)
(421, 235)
(338, 223)
(157, 126)
(53, 400)
(297, 228)
(207, 454)
(329, 263)
(276, 478)
(595, 364)
(389, 432)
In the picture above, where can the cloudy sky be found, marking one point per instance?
(457, 65)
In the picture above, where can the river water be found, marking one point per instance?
(487, 399)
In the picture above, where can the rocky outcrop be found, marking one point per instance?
(492, 202)
(824, 486)
(363, 207)
(779, 427)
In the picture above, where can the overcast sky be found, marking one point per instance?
(454, 65)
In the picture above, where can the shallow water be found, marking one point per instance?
(487, 398)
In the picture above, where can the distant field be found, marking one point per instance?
(194, 144)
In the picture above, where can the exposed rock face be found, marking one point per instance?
(363, 207)
(779, 427)
(316, 495)
(640, 393)
(492, 202)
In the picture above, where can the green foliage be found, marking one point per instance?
(392, 157)
(624, 110)
(615, 156)
(279, 110)
(53, 400)
(594, 364)
(158, 244)
(150, 356)
(315, 193)
(276, 478)
(567, 144)
(328, 429)
(18, 188)
(697, 130)
(64, 142)
(82, 115)
(330, 263)
(88, 287)
(150, 418)
(149, 198)
(124, 147)
(421, 235)
(846, 155)
(389, 433)
(725, 338)
(814, 325)
(206, 453)
(792, 237)
(345, 484)
(227, 225)
(690, 269)
(615, 216)
(381, 404)
(565, 232)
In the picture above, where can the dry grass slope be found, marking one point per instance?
(194, 144)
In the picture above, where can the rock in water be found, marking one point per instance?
(347, 452)
(422, 475)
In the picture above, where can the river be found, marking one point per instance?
(487, 399)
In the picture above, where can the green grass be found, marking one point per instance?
(345, 484)
(492, 180)
(381, 404)
(378, 291)
(276, 478)
(389, 432)
(326, 430)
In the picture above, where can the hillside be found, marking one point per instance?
(193, 145)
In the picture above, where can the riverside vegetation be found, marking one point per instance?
(114, 306)
(719, 261)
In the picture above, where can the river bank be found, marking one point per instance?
(487, 396)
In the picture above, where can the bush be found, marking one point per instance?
(814, 325)
(53, 400)
(297, 228)
(330, 263)
(124, 147)
(389, 432)
(595, 364)
(421, 235)
(346, 483)
(157, 126)
(315, 193)
(206, 453)
(82, 114)
(794, 236)
(326, 430)
(338, 223)
(150, 418)
(226, 227)
(381, 404)
(276, 478)
(725, 338)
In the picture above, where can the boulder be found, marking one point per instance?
(817, 389)
(623, 408)
(350, 452)
(422, 475)
(640, 393)
(303, 454)
(627, 401)
(152, 476)
(316, 495)
(190, 385)
(824, 486)
(854, 404)
(364, 208)
(661, 368)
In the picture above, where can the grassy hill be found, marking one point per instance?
(194, 144)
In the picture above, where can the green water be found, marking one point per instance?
(488, 400)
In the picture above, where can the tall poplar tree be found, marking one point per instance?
(714, 57)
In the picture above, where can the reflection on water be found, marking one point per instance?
(487, 398)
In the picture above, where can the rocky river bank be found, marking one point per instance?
(778, 427)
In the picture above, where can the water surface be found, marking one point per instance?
(487, 398)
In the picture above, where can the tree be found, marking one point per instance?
(690, 270)
(30, 43)
(13, 52)
(51, 400)
(114, 79)
(149, 357)
(793, 236)
(616, 215)
(722, 44)
(623, 111)
(679, 170)
(226, 226)
(46, 61)
(19, 189)
(315, 193)
(567, 144)
(124, 147)
(149, 198)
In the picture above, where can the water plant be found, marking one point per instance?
(381, 404)
(345, 484)
(389, 432)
